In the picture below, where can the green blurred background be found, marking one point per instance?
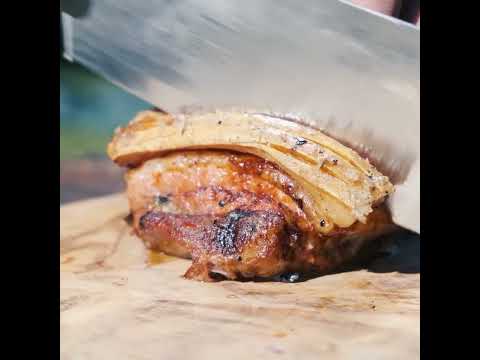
(90, 109)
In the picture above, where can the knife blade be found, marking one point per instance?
(350, 72)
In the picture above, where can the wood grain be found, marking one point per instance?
(117, 302)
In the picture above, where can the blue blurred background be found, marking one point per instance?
(90, 109)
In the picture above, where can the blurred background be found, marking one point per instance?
(90, 109)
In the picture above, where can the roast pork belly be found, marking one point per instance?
(248, 196)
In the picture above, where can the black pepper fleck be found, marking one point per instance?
(161, 200)
(300, 142)
(221, 203)
(335, 161)
(220, 122)
(322, 223)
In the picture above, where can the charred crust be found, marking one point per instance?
(227, 230)
(144, 219)
(149, 219)
(252, 228)
(293, 235)
(214, 277)
(128, 219)
(299, 202)
(292, 238)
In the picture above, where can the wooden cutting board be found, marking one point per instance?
(120, 302)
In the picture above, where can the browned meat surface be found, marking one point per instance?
(237, 216)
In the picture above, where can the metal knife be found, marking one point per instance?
(353, 73)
